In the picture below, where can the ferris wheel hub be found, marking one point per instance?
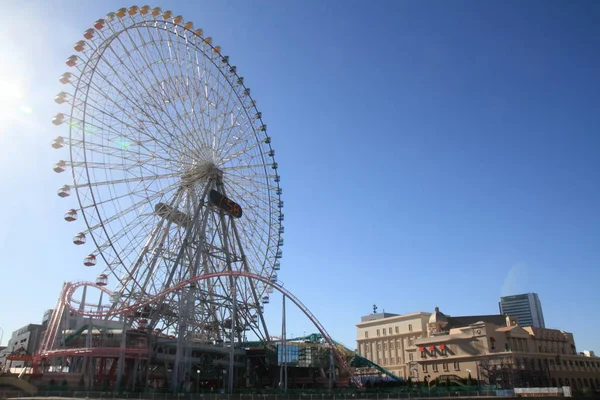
(200, 172)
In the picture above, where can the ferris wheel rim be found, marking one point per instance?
(91, 192)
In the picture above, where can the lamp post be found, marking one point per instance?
(469, 377)
(198, 381)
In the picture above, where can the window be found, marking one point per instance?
(411, 341)
(366, 334)
(384, 331)
(410, 357)
(390, 330)
(424, 368)
(384, 361)
(445, 365)
(443, 350)
(397, 330)
(384, 346)
(410, 327)
(435, 367)
(377, 332)
(398, 344)
(378, 346)
(456, 365)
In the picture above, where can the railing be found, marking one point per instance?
(278, 396)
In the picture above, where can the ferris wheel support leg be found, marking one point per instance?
(233, 291)
(121, 362)
(232, 339)
(188, 236)
(252, 287)
(181, 366)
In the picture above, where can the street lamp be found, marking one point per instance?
(198, 381)
(469, 378)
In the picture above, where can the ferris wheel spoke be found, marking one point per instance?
(225, 114)
(127, 180)
(245, 167)
(119, 215)
(230, 157)
(255, 226)
(165, 80)
(115, 150)
(151, 117)
(241, 193)
(252, 180)
(137, 95)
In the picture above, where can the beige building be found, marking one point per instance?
(491, 349)
(389, 339)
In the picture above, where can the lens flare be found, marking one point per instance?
(26, 110)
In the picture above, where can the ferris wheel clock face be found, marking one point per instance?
(172, 168)
(225, 204)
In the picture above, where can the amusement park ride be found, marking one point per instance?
(177, 185)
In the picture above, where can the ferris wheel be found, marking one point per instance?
(173, 171)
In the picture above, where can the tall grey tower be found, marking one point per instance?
(526, 307)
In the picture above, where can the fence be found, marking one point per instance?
(279, 396)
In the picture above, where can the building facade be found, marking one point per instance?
(25, 340)
(389, 340)
(526, 307)
(503, 355)
(489, 349)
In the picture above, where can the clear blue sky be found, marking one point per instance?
(432, 153)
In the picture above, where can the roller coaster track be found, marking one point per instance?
(66, 300)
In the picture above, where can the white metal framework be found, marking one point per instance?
(158, 119)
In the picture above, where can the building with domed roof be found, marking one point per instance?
(489, 349)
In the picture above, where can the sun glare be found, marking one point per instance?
(11, 100)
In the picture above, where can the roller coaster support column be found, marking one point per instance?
(283, 373)
(331, 368)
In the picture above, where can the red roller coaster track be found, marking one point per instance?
(69, 289)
